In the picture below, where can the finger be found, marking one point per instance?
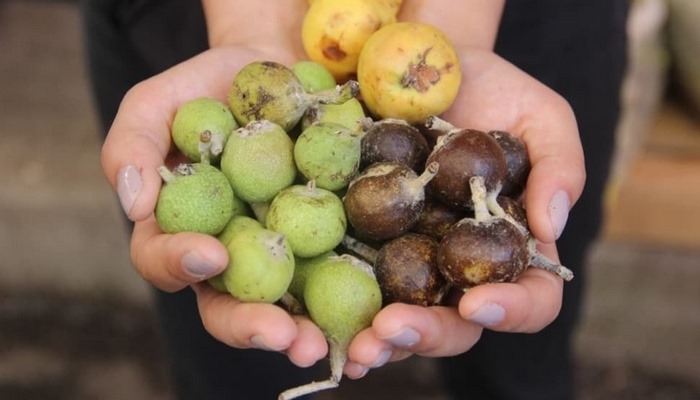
(526, 306)
(171, 262)
(310, 344)
(427, 331)
(244, 325)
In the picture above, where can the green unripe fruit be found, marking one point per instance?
(236, 225)
(342, 297)
(314, 77)
(329, 154)
(312, 219)
(217, 282)
(349, 114)
(197, 117)
(194, 198)
(269, 90)
(261, 265)
(258, 160)
(303, 266)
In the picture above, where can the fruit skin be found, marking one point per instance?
(258, 161)
(195, 198)
(311, 218)
(394, 140)
(303, 266)
(342, 298)
(328, 154)
(348, 114)
(235, 225)
(462, 154)
(408, 71)
(334, 32)
(517, 162)
(478, 252)
(199, 115)
(314, 77)
(266, 90)
(407, 271)
(261, 265)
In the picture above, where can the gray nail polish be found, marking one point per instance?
(383, 358)
(488, 315)
(406, 337)
(559, 212)
(197, 266)
(129, 184)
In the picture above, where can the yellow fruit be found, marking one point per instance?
(333, 32)
(408, 71)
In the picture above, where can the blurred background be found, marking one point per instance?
(76, 321)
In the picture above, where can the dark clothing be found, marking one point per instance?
(577, 47)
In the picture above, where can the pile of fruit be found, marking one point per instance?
(335, 197)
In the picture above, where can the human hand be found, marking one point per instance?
(137, 143)
(494, 95)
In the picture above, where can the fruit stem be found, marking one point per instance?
(439, 124)
(498, 211)
(204, 146)
(164, 172)
(539, 260)
(430, 171)
(478, 188)
(291, 304)
(359, 248)
(309, 388)
(339, 95)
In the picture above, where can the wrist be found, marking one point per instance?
(468, 23)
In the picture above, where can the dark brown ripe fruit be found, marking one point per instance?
(517, 163)
(386, 199)
(407, 272)
(477, 252)
(462, 154)
(393, 140)
(515, 210)
(437, 218)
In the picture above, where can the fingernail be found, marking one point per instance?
(406, 337)
(259, 343)
(488, 315)
(383, 358)
(559, 212)
(129, 186)
(198, 266)
(355, 370)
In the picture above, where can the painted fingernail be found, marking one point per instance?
(129, 184)
(404, 338)
(383, 358)
(198, 266)
(488, 315)
(355, 370)
(559, 212)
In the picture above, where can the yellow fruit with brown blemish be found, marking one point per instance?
(334, 32)
(408, 71)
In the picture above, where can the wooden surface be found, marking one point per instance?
(658, 201)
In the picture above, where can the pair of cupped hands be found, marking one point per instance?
(494, 94)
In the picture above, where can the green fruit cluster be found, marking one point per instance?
(332, 213)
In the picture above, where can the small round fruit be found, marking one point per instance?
(329, 154)
(348, 114)
(393, 140)
(334, 32)
(517, 163)
(408, 71)
(407, 271)
(194, 198)
(462, 154)
(313, 76)
(261, 266)
(385, 201)
(198, 116)
(311, 218)
(258, 161)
